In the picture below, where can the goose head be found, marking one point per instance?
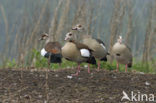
(78, 27)
(44, 36)
(69, 36)
(120, 39)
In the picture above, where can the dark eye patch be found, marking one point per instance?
(43, 35)
(70, 34)
(79, 26)
(117, 54)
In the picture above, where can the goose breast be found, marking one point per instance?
(122, 53)
(70, 52)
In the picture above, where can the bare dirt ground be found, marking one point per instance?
(29, 86)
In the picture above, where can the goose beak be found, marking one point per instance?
(74, 28)
(65, 38)
(40, 39)
(108, 53)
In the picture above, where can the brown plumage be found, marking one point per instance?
(51, 50)
(53, 47)
(80, 45)
(99, 49)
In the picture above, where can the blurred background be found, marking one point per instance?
(23, 21)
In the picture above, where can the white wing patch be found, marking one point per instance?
(103, 46)
(43, 52)
(85, 52)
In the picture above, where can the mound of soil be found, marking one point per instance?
(30, 86)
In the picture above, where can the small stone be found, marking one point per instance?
(27, 96)
(86, 66)
(147, 83)
(40, 96)
(56, 75)
(69, 77)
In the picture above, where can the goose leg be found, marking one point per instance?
(49, 61)
(88, 68)
(78, 70)
(48, 64)
(98, 69)
(126, 68)
(117, 67)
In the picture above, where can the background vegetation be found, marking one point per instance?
(22, 22)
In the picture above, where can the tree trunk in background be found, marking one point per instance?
(90, 21)
(130, 28)
(6, 48)
(151, 36)
(31, 40)
(54, 23)
(77, 15)
(80, 18)
(37, 25)
(115, 21)
(152, 40)
(100, 28)
(121, 15)
(147, 39)
(63, 19)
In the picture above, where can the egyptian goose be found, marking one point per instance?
(52, 50)
(99, 49)
(122, 54)
(77, 52)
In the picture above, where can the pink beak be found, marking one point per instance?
(65, 38)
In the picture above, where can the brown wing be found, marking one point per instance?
(81, 46)
(53, 47)
(100, 41)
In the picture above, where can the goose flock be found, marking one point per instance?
(86, 49)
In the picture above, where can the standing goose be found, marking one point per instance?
(52, 50)
(77, 52)
(99, 49)
(122, 54)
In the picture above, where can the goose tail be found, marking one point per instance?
(54, 58)
(104, 59)
(91, 60)
(129, 65)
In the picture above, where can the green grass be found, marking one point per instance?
(10, 63)
(42, 62)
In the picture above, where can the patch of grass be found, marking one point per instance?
(11, 63)
(147, 68)
(137, 66)
(42, 62)
(108, 66)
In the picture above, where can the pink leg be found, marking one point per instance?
(78, 70)
(88, 68)
(126, 68)
(98, 69)
(117, 67)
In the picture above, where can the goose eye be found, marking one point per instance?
(70, 34)
(44, 35)
(79, 26)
